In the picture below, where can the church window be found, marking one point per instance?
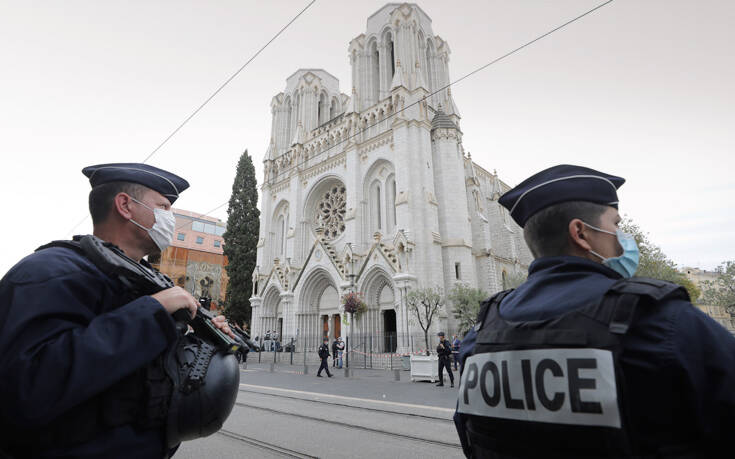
(377, 207)
(287, 128)
(331, 211)
(280, 242)
(323, 112)
(374, 74)
(390, 203)
(457, 271)
(392, 61)
(505, 280)
(430, 65)
(333, 109)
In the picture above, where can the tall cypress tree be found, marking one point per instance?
(241, 239)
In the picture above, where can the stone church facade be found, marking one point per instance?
(373, 192)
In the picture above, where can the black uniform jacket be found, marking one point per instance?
(679, 364)
(68, 332)
(444, 349)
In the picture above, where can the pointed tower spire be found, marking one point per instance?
(398, 77)
(298, 137)
(351, 108)
(420, 83)
(271, 151)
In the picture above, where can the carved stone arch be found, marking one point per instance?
(377, 283)
(271, 299)
(378, 286)
(318, 289)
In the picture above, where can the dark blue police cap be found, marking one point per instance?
(560, 184)
(164, 182)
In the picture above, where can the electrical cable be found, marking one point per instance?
(498, 59)
(217, 91)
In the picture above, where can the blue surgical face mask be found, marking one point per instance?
(625, 264)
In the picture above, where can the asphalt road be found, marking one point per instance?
(288, 414)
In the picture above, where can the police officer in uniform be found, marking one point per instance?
(444, 351)
(324, 356)
(584, 360)
(74, 342)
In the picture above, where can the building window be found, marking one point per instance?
(198, 226)
(181, 236)
(390, 204)
(457, 271)
(216, 243)
(200, 240)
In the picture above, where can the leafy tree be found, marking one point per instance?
(654, 262)
(241, 239)
(721, 291)
(424, 304)
(466, 301)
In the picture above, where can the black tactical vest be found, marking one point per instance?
(187, 392)
(555, 388)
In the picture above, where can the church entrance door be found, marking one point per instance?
(389, 326)
(325, 327)
(337, 326)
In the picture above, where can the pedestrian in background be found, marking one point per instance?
(444, 351)
(455, 349)
(334, 352)
(324, 355)
(340, 351)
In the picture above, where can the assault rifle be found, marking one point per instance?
(144, 280)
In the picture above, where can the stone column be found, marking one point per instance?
(403, 283)
(255, 327)
(289, 328)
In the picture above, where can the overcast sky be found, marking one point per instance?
(640, 89)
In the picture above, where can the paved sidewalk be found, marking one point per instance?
(362, 383)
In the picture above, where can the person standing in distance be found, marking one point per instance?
(324, 356)
(75, 343)
(582, 359)
(455, 350)
(444, 351)
(334, 352)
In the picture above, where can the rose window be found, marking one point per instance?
(330, 212)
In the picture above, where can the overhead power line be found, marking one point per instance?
(212, 96)
(222, 86)
(483, 67)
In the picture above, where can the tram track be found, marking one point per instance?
(347, 405)
(272, 447)
(422, 440)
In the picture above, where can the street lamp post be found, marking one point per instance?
(352, 314)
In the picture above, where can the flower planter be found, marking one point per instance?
(424, 368)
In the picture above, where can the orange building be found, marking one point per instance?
(195, 260)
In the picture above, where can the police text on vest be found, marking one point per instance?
(561, 386)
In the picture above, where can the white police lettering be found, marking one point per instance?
(560, 386)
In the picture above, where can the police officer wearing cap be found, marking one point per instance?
(73, 342)
(444, 352)
(583, 359)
